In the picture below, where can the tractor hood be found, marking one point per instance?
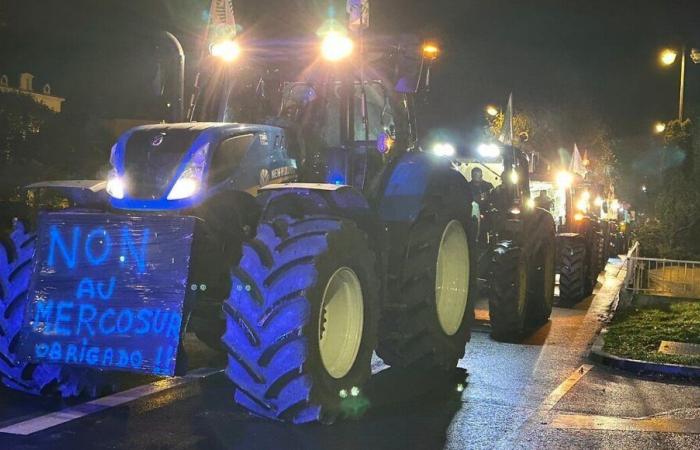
(148, 161)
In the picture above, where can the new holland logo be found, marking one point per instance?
(157, 140)
(264, 177)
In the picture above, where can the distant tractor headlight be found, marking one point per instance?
(444, 149)
(115, 186)
(598, 201)
(514, 177)
(227, 50)
(582, 205)
(336, 46)
(190, 181)
(565, 179)
(489, 150)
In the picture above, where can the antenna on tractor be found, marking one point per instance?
(358, 22)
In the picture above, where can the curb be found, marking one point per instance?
(634, 365)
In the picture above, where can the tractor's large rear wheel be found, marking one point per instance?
(301, 319)
(16, 253)
(508, 299)
(540, 286)
(574, 278)
(427, 320)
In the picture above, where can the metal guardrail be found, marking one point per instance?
(663, 277)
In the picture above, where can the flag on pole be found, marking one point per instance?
(576, 165)
(506, 136)
(358, 14)
(222, 22)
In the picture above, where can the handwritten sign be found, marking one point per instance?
(108, 290)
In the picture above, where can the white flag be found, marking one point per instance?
(222, 22)
(506, 136)
(358, 14)
(577, 165)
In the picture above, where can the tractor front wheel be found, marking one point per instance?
(301, 320)
(508, 299)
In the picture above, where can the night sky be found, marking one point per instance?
(594, 54)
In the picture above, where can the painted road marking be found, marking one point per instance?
(561, 390)
(656, 425)
(53, 419)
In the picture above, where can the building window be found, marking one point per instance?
(47, 89)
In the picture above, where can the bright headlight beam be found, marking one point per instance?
(444, 149)
(227, 50)
(185, 187)
(489, 150)
(115, 187)
(336, 46)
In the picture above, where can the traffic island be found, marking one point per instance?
(653, 336)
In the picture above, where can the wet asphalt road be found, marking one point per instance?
(501, 396)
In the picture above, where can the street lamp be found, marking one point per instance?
(668, 57)
(659, 127)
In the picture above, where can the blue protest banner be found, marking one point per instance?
(108, 290)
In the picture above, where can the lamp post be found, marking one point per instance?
(668, 57)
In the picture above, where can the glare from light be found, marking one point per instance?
(354, 391)
(185, 187)
(491, 110)
(578, 217)
(582, 205)
(644, 188)
(668, 56)
(615, 205)
(659, 127)
(336, 46)
(565, 179)
(515, 210)
(586, 195)
(513, 177)
(489, 150)
(530, 203)
(444, 149)
(598, 201)
(227, 50)
(460, 387)
(343, 393)
(115, 187)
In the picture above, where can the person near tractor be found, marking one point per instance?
(479, 187)
(543, 201)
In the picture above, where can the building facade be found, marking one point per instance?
(26, 87)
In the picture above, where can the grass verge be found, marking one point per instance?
(636, 333)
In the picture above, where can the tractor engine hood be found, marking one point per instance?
(148, 162)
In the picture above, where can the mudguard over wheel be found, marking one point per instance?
(574, 280)
(301, 319)
(427, 320)
(16, 253)
(508, 299)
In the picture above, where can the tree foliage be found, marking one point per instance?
(38, 144)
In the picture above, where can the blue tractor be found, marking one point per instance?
(300, 232)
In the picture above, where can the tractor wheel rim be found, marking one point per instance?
(340, 322)
(452, 278)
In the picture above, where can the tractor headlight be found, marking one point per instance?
(190, 180)
(582, 205)
(336, 46)
(115, 186)
(489, 150)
